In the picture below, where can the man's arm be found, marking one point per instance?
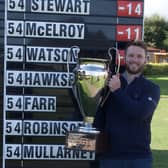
(141, 108)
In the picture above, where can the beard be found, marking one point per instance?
(133, 70)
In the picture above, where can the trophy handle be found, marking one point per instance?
(114, 68)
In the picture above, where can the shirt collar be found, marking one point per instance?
(123, 75)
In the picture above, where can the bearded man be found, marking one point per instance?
(128, 112)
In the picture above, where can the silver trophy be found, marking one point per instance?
(90, 74)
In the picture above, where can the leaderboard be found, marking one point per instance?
(44, 41)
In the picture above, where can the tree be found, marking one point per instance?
(156, 31)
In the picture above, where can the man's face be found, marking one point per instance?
(135, 59)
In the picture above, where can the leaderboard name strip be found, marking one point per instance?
(62, 30)
(45, 152)
(76, 7)
(39, 128)
(30, 103)
(37, 54)
(39, 79)
(36, 29)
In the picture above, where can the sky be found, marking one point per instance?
(159, 7)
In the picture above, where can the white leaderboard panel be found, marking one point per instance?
(36, 29)
(37, 54)
(39, 128)
(45, 152)
(77, 7)
(30, 103)
(39, 79)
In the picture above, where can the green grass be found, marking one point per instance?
(160, 135)
(160, 125)
(162, 81)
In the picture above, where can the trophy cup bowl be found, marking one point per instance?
(91, 76)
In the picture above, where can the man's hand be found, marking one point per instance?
(114, 83)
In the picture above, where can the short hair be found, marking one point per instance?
(138, 43)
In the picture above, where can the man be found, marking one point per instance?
(128, 113)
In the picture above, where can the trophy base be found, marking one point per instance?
(78, 140)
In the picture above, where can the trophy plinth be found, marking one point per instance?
(82, 138)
